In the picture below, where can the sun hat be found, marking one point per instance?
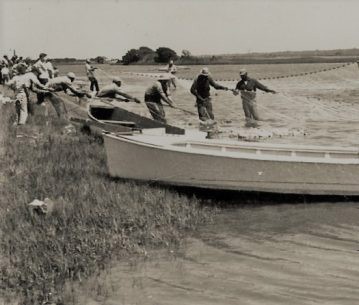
(21, 68)
(205, 71)
(71, 75)
(116, 79)
(242, 72)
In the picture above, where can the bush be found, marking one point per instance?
(131, 56)
(164, 55)
(145, 51)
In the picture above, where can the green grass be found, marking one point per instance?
(96, 220)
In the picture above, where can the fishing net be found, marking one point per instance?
(318, 101)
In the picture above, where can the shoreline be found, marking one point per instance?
(95, 221)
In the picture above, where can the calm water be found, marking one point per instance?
(264, 252)
(267, 254)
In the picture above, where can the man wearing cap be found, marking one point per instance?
(201, 90)
(172, 69)
(90, 71)
(113, 91)
(41, 66)
(248, 87)
(62, 83)
(8, 62)
(154, 94)
(5, 73)
(42, 73)
(21, 83)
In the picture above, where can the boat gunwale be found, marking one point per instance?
(248, 156)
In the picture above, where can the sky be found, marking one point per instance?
(89, 28)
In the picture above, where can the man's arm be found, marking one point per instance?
(75, 91)
(127, 96)
(164, 96)
(39, 89)
(11, 83)
(167, 99)
(215, 85)
(35, 83)
(119, 92)
(92, 68)
(260, 86)
(194, 91)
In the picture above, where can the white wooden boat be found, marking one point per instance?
(192, 160)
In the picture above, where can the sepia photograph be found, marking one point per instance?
(179, 152)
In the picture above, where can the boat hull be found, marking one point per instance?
(130, 159)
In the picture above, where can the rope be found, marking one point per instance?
(308, 73)
(275, 77)
(105, 73)
(155, 75)
(330, 110)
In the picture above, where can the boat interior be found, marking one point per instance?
(116, 115)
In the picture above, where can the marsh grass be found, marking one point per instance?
(95, 220)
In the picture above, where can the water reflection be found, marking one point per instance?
(267, 253)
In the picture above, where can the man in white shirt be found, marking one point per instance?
(113, 91)
(62, 83)
(50, 68)
(155, 94)
(172, 69)
(21, 83)
(41, 66)
(5, 73)
(90, 71)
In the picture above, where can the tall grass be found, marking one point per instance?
(95, 220)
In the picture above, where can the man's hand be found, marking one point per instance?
(235, 92)
(272, 91)
(170, 103)
(136, 100)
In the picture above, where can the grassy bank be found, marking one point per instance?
(95, 219)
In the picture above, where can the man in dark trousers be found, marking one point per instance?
(201, 90)
(248, 86)
(90, 71)
(154, 96)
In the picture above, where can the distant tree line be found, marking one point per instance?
(147, 55)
